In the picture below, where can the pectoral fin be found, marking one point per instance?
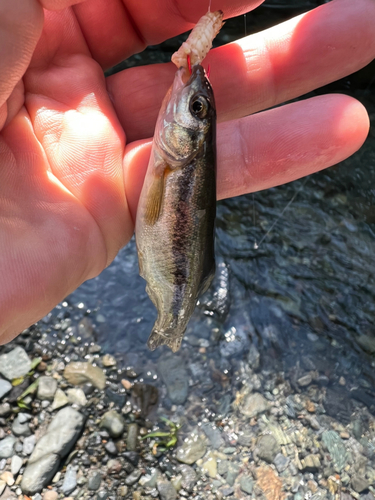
(154, 200)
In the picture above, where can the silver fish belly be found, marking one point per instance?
(177, 207)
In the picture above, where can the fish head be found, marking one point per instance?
(187, 117)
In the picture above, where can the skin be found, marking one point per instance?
(74, 147)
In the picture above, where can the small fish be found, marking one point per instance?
(177, 208)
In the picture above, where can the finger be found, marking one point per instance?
(262, 70)
(273, 147)
(75, 123)
(59, 4)
(116, 29)
(21, 24)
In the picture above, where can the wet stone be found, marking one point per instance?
(132, 457)
(70, 480)
(305, 380)
(267, 448)
(213, 434)
(281, 462)
(102, 495)
(5, 387)
(311, 463)
(336, 449)
(359, 484)
(192, 449)
(175, 377)
(223, 466)
(47, 387)
(236, 341)
(133, 477)
(166, 490)
(94, 481)
(114, 466)
(253, 404)
(247, 484)
(108, 360)
(232, 473)
(7, 447)
(113, 422)
(110, 448)
(131, 440)
(15, 364)
(210, 465)
(77, 373)
(189, 477)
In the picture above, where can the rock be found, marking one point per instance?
(253, 404)
(8, 478)
(210, 465)
(311, 463)
(131, 440)
(359, 484)
(70, 480)
(29, 444)
(61, 435)
(19, 428)
(166, 490)
(5, 410)
(189, 477)
(23, 417)
(213, 434)
(15, 364)
(133, 477)
(144, 397)
(78, 372)
(336, 449)
(226, 491)
(232, 472)
(50, 495)
(5, 387)
(113, 423)
(16, 464)
(267, 448)
(253, 358)
(305, 380)
(247, 484)
(236, 342)
(114, 466)
(367, 343)
(122, 491)
(47, 387)
(94, 481)
(281, 462)
(102, 495)
(110, 447)
(60, 400)
(193, 448)
(76, 396)
(108, 360)
(7, 447)
(132, 457)
(175, 377)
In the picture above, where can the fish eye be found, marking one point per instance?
(199, 106)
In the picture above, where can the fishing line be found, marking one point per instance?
(257, 245)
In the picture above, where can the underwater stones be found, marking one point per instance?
(252, 404)
(175, 377)
(193, 448)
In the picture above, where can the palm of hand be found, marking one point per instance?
(65, 209)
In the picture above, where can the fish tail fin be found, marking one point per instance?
(168, 338)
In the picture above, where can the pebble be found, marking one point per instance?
(108, 360)
(28, 444)
(173, 372)
(5, 387)
(5, 410)
(311, 463)
(111, 448)
(189, 477)
(76, 396)
(50, 495)
(132, 438)
(19, 428)
(166, 490)
(7, 446)
(281, 462)
(226, 491)
(359, 483)
(113, 422)
(210, 465)
(213, 434)
(253, 404)
(56, 443)
(133, 477)
(193, 448)
(47, 386)
(7, 477)
(236, 341)
(122, 491)
(267, 448)
(78, 372)
(305, 380)
(114, 466)
(16, 464)
(15, 364)
(60, 400)
(70, 480)
(94, 481)
(247, 484)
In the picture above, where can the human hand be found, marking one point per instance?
(69, 183)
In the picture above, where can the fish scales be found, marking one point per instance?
(177, 207)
